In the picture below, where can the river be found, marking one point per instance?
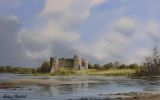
(79, 88)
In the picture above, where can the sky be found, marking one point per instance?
(101, 31)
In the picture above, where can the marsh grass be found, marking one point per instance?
(109, 72)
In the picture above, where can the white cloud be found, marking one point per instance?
(80, 7)
(56, 6)
(112, 44)
(45, 38)
(138, 56)
(125, 25)
(153, 29)
(117, 45)
(61, 18)
(109, 46)
(38, 55)
(49, 33)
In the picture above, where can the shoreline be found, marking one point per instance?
(137, 96)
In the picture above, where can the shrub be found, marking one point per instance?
(134, 66)
(45, 68)
(151, 67)
(64, 71)
(108, 66)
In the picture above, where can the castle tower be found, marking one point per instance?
(77, 63)
(54, 62)
(86, 64)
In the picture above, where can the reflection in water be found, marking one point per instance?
(79, 91)
(54, 90)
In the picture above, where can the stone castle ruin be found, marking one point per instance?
(76, 63)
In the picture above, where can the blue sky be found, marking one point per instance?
(101, 31)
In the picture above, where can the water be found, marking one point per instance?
(105, 85)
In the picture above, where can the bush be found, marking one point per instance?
(134, 66)
(151, 67)
(122, 66)
(97, 66)
(90, 66)
(45, 68)
(64, 71)
(108, 66)
(18, 70)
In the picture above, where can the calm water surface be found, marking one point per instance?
(105, 85)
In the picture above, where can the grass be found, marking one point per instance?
(64, 71)
(108, 72)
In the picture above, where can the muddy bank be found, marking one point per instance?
(133, 96)
(14, 83)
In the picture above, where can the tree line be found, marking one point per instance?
(116, 65)
(45, 68)
(16, 69)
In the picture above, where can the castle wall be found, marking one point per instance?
(66, 63)
(75, 63)
(54, 63)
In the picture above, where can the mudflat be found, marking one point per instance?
(143, 96)
(135, 96)
(12, 83)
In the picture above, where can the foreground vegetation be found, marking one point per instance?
(151, 66)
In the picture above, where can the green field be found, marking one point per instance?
(108, 72)
(112, 72)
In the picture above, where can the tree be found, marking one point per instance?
(153, 62)
(90, 66)
(45, 67)
(133, 66)
(97, 66)
(108, 66)
(122, 66)
(151, 66)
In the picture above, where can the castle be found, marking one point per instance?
(76, 63)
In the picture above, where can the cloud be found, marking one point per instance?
(38, 43)
(126, 40)
(49, 33)
(59, 21)
(110, 45)
(125, 25)
(153, 30)
(68, 14)
(56, 6)
(57, 31)
(138, 56)
(69, 7)
(10, 50)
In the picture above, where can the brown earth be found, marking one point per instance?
(135, 96)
